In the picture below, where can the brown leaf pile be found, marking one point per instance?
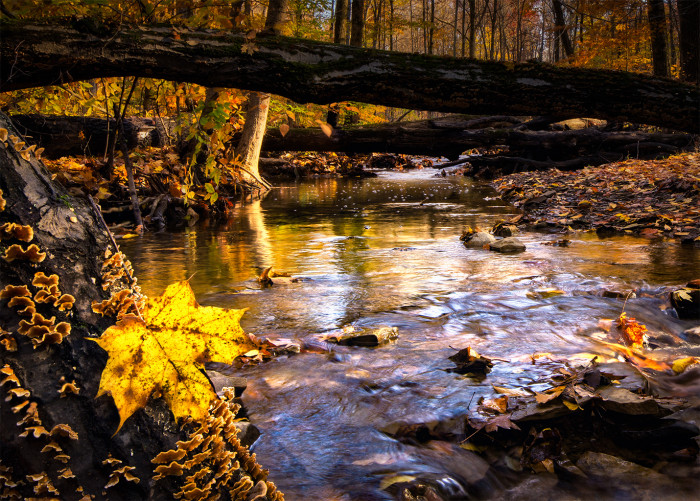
(652, 198)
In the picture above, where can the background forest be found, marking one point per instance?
(645, 36)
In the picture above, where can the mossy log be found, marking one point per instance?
(309, 71)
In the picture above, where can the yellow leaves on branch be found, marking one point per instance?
(164, 352)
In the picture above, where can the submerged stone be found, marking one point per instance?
(479, 239)
(375, 337)
(507, 245)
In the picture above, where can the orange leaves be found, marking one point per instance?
(633, 333)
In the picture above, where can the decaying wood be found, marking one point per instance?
(69, 135)
(310, 71)
(450, 136)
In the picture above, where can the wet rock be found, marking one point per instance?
(504, 229)
(221, 381)
(624, 401)
(686, 301)
(692, 334)
(248, 433)
(354, 337)
(597, 464)
(507, 245)
(544, 486)
(628, 377)
(539, 412)
(469, 361)
(619, 295)
(479, 240)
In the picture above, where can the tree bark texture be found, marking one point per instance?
(657, 26)
(66, 135)
(689, 15)
(452, 135)
(310, 71)
(67, 230)
(248, 149)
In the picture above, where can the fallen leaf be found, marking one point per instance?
(500, 422)
(633, 333)
(284, 128)
(165, 350)
(543, 398)
(499, 405)
(509, 392)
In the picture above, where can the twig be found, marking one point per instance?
(98, 214)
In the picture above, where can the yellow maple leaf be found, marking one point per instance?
(164, 351)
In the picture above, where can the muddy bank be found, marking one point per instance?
(654, 199)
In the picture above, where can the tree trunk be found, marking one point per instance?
(657, 26)
(560, 29)
(309, 71)
(689, 40)
(248, 149)
(357, 25)
(452, 135)
(341, 12)
(70, 233)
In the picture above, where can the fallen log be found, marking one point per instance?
(318, 72)
(70, 135)
(451, 136)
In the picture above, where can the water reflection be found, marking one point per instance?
(385, 251)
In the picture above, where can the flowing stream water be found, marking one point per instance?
(381, 252)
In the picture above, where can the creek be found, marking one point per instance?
(385, 251)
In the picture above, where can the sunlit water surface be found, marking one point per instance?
(385, 252)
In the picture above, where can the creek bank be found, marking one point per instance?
(653, 199)
(601, 428)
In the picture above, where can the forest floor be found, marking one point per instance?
(650, 198)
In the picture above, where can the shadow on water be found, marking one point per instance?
(385, 251)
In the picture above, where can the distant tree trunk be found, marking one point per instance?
(689, 15)
(248, 149)
(431, 29)
(562, 32)
(472, 29)
(341, 12)
(357, 25)
(657, 26)
(391, 24)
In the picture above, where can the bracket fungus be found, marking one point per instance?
(17, 393)
(63, 430)
(8, 231)
(119, 472)
(32, 254)
(10, 376)
(43, 282)
(11, 291)
(7, 341)
(34, 431)
(3, 202)
(214, 459)
(68, 388)
(43, 484)
(120, 304)
(25, 306)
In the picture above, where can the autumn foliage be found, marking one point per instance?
(162, 352)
